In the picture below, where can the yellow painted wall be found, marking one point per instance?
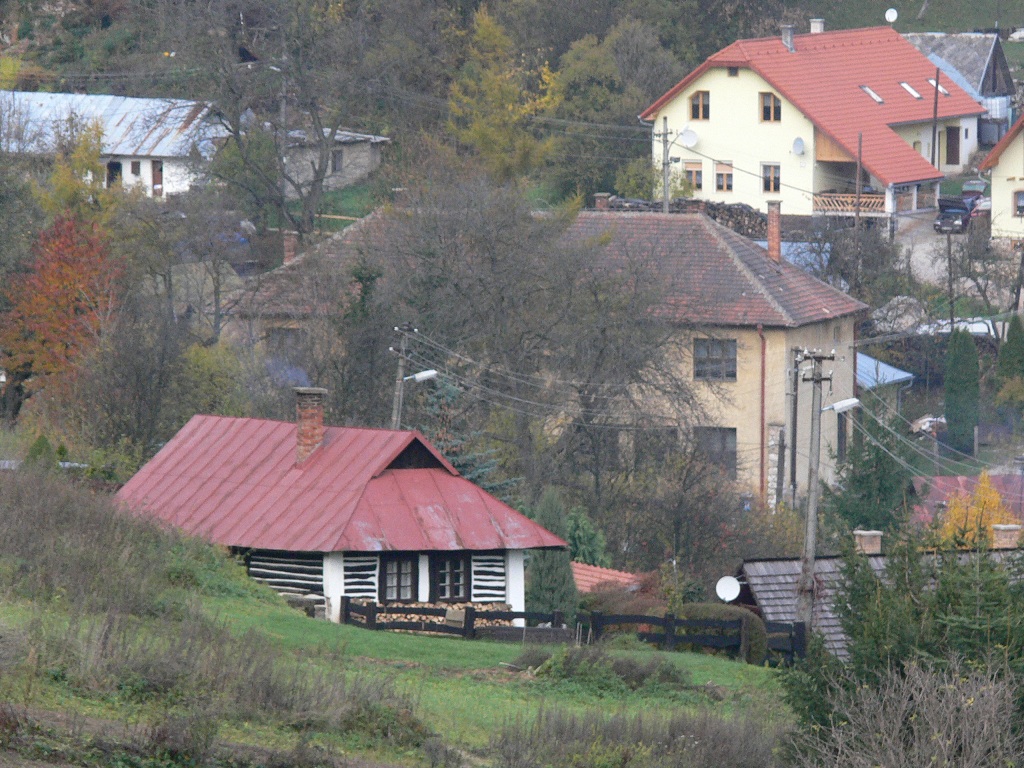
(922, 133)
(738, 404)
(735, 132)
(1007, 178)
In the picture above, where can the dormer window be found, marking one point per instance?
(910, 89)
(933, 84)
(872, 94)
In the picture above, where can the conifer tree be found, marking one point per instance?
(549, 582)
(962, 391)
(586, 543)
(1010, 363)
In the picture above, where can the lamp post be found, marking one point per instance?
(805, 587)
(401, 378)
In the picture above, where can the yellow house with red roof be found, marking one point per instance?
(1006, 163)
(826, 122)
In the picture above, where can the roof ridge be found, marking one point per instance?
(720, 231)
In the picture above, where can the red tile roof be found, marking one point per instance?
(933, 491)
(1008, 138)
(823, 79)
(591, 577)
(712, 276)
(235, 482)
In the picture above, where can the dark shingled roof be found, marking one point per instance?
(712, 275)
(977, 56)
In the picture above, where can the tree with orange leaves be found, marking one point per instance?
(62, 305)
(968, 520)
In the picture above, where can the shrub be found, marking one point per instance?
(755, 645)
(593, 669)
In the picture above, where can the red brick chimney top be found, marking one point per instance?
(868, 542)
(775, 230)
(602, 200)
(290, 240)
(309, 417)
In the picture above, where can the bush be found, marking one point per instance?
(594, 670)
(755, 636)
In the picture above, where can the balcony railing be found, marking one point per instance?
(831, 203)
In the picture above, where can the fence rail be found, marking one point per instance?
(834, 203)
(784, 638)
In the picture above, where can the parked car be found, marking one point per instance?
(972, 189)
(954, 214)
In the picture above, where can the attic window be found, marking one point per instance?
(734, 71)
(910, 89)
(872, 94)
(933, 84)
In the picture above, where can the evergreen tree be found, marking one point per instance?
(549, 582)
(962, 391)
(1010, 363)
(874, 489)
(586, 542)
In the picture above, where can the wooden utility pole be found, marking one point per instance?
(805, 587)
(664, 166)
(396, 406)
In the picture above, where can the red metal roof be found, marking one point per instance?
(711, 275)
(235, 482)
(590, 577)
(823, 78)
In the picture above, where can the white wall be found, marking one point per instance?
(515, 575)
(334, 583)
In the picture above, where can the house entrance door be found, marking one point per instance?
(953, 145)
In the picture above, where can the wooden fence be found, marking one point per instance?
(785, 639)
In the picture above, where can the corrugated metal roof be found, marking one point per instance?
(873, 373)
(711, 274)
(235, 482)
(823, 78)
(132, 127)
(589, 577)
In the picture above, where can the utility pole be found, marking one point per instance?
(805, 588)
(396, 406)
(664, 166)
(950, 282)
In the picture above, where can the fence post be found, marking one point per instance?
(669, 624)
(799, 640)
(557, 620)
(469, 622)
(344, 609)
(596, 624)
(371, 616)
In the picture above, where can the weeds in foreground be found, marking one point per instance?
(556, 739)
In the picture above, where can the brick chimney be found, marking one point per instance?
(309, 417)
(290, 240)
(775, 230)
(787, 37)
(1005, 536)
(817, 26)
(868, 542)
(602, 200)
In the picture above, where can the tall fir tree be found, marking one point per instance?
(586, 542)
(1010, 363)
(549, 582)
(962, 391)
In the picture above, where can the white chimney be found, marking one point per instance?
(868, 542)
(817, 26)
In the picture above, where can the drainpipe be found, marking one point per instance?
(764, 380)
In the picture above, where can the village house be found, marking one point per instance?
(745, 314)
(977, 63)
(331, 512)
(353, 157)
(830, 123)
(156, 145)
(1005, 163)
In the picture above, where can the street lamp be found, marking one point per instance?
(805, 587)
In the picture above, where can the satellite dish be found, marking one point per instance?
(891, 15)
(727, 589)
(798, 146)
(688, 138)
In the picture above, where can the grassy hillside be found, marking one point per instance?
(938, 16)
(123, 644)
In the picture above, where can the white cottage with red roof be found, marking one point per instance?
(796, 118)
(371, 514)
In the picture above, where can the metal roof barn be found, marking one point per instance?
(131, 126)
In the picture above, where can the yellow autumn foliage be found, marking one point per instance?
(968, 519)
